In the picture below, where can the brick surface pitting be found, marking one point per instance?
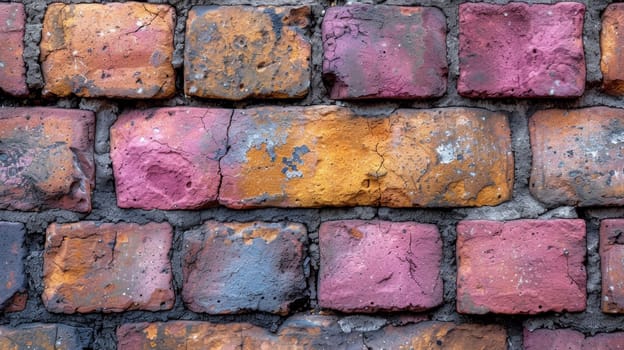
(44, 337)
(521, 50)
(300, 157)
(106, 267)
(577, 156)
(612, 265)
(611, 42)
(236, 52)
(373, 51)
(12, 274)
(379, 266)
(46, 159)
(521, 267)
(168, 158)
(241, 267)
(12, 68)
(121, 50)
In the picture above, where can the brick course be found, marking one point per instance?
(12, 68)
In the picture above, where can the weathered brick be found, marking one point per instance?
(238, 267)
(12, 275)
(560, 339)
(612, 265)
(376, 51)
(90, 266)
(45, 337)
(236, 52)
(521, 267)
(168, 158)
(605, 341)
(379, 266)
(46, 159)
(115, 50)
(439, 335)
(521, 50)
(611, 42)
(12, 68)
(300, 157)
(577, 156)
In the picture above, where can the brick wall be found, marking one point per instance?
(318, 175)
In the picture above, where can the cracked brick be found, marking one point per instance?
(370, 266)
(12, 67)
(376, 51)
(103, 267)
(120, 50)
(238, 52)
(12, 274)
(46, 159)
(521, 267)
(168, 158)
(300, 157)
(45, 337)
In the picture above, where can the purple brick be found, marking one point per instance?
(168, 158)
(560, 339)
(605, 341)
(374, 51)
(373, 266)
(12, 69)
(237, 267)
(12, 276)
(521, 50)
(521, 267)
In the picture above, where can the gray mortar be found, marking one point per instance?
(521, 206)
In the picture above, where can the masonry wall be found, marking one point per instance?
(197, 175)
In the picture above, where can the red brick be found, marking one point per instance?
(560, 339)
(105, 267)
(576, 156)
(521, 50)
(12, 274)
(115, 50)
(168, 158)
(46, 159)
(612, 265)
(236, 52)
(12, 68)
(379, 266)
(439, 335)
(44, 337)
(611, 42)
(521, 267)
(376, 51)
(238, 267)
(605, 341)
(300, 157)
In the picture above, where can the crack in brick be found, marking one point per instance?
(227, 149)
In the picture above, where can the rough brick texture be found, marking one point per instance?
(612, 265)
(46, 159)
(611, 42)
(568, 339)
(106, 267)
(300, 157)
(373, 51)
(12, 68)
(12, 274)
(521, 50)
(44, 337)
(119, 50)
(521, 267)
(379, 266)
(168, 158)
(236, 52)
(238, 267)
(577, 156)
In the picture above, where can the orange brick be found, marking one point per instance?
(235, 52)
(611, 42)
(302, 157)
(115, 50)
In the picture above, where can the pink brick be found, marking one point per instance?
(521, 50)
(612, 265)
(605, 341)
(12, 69)
(521, 267)
(560, 339)
(168, 158)
(374, 51)
(379, 266)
